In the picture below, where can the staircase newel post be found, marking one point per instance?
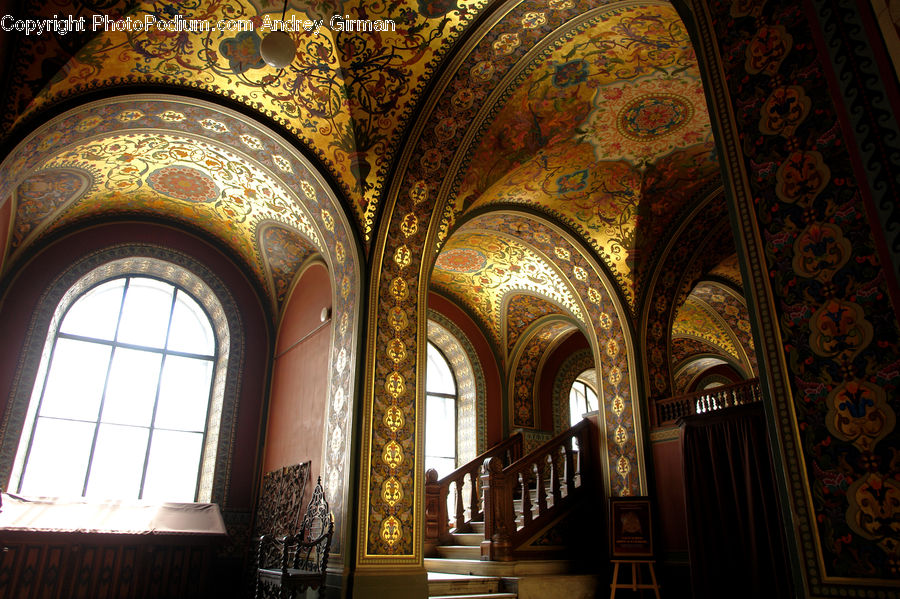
(497, 511)
(435, 517)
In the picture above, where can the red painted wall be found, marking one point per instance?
(32, 279)
(492, 381)
(296, 420)
(575, 342)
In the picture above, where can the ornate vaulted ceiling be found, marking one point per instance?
(588, 115)
(487, 272)
(346, 96)
(713, 321)
(179, 161)
(601, 125)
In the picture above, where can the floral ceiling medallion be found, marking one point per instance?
(643, 120)
(463, 260)
(183, 183)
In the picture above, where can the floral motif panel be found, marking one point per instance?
(480, 268)
(358, 69)
(818, 153)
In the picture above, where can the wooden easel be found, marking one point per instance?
(633, 585)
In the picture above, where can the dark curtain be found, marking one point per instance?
(736, 542)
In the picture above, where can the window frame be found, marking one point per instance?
(442, 395)
(587, 404)
(174, 267)
(39, 391)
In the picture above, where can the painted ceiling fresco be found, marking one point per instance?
(177, 161)
(346, 95)
(696, 319)
(526, 383)
(713, 319)
(730, 270)
(480, 268)
(691, 371)
(522, 311)
(604, 127)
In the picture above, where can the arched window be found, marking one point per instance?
(440, 414)
(127, 400)
(582, 397)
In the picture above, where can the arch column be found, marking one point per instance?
(826, 329)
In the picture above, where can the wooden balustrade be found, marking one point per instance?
(468, 476)
(522, 497)
(707, 400)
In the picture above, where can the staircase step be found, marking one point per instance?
(482, 596)
(461, 584)
(488, 568)
(470, 539)
(477, 527)
(460, 551)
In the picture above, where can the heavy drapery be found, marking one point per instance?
(736, 541)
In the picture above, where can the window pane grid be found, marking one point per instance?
(112, 418)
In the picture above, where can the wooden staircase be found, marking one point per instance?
(516, 499)
(464, 555)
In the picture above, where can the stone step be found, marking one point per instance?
(440, 584)
(460, 551)
(470, 539)
(478, 567)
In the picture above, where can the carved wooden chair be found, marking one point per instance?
(279, 510)
(304, 556)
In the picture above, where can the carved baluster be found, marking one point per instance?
(432, 508)
(525, 483)
(541, 468)
(555, 473)
(460, 512)
(474, 497)
(570, 468)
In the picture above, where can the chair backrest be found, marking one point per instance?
(280, 504)
(315, 534)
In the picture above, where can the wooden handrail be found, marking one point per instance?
(437, 523)
(556, 474)
(671, 409)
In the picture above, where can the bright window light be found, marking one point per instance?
(121, 411)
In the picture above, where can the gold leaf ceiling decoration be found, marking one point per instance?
(346, 95)
(589, 128)
(696, 319)
(480, 268)
(179, 161)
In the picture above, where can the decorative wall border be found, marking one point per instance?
(760, 55)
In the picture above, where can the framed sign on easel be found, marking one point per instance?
(631, 542)
(631, 527)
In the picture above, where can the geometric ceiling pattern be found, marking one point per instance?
(480, 269)
(346, 95)
(604, 127)
(692, 371)
(713, 320)
(521, 312)
(597, 118)
(176, 160)
(696, 319)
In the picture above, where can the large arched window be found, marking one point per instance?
(440, 414)
(130, 397)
